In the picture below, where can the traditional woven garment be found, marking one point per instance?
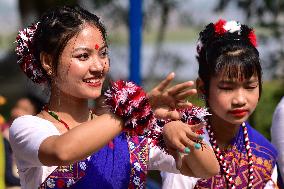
(120, 164)
(264, 160)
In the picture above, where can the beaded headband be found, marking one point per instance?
(231, 30)
(26, 54)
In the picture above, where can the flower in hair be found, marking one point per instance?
(222, 26)
(232, 26)
(25, 51)
(219, 26)
(252, 38)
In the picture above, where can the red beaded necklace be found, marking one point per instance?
(224, 166)
(55, 116)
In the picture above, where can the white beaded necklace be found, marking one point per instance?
(224, 166)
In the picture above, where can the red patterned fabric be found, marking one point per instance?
(139, 158)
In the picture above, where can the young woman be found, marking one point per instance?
(68, 146)
(230, 83)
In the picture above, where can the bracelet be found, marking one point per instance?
(191, 116)
(128, 101)
(194, 115)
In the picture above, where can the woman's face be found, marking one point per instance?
(233, 101)
(83, 64)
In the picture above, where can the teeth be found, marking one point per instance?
(91, 81)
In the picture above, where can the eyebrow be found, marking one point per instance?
(88, 49)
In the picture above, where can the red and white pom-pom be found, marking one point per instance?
(25, 51)
(129, 102)
(194, 115)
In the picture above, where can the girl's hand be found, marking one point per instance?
(165, 100)
(179, 138)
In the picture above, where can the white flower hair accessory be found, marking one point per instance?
(227, 29)
(232, 26)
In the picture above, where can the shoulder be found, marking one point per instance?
(26, 122)
(261, 144)
(28, 128)
(26, 135)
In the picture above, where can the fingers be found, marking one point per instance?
(197, 127)
(163, 85)
(180, 87)
(185, 94)
(183, 105)
(164, 113)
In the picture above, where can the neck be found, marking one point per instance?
(224, 132)
(69, 108)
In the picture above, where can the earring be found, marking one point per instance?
(202, 97)
(49, 72)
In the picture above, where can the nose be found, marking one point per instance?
(239, 99)
(97, 65)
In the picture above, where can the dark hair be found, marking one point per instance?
(231, 54)
(57, 26)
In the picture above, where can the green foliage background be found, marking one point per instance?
(261, 119)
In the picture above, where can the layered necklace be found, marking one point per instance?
(55, 116)
(221, 159)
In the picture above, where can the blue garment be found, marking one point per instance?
(108, 168)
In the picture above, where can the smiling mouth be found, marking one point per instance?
(93, 82)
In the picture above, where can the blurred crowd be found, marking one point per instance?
(26, 105)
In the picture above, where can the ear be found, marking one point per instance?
(200, 86)
(46, 62)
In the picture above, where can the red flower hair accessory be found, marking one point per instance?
(219, 27)
(252, 38)
(129, 102)
(26, 54)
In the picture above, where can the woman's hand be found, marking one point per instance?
(165, 100)
(100, 106)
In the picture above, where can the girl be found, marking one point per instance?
(64, 146)
(230, 83)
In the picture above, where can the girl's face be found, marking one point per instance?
(22, 107)
(83, 64)
(233, 101)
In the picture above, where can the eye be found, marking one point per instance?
(251, 86)
(104, 53)
(226, 88)
(82, 56)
